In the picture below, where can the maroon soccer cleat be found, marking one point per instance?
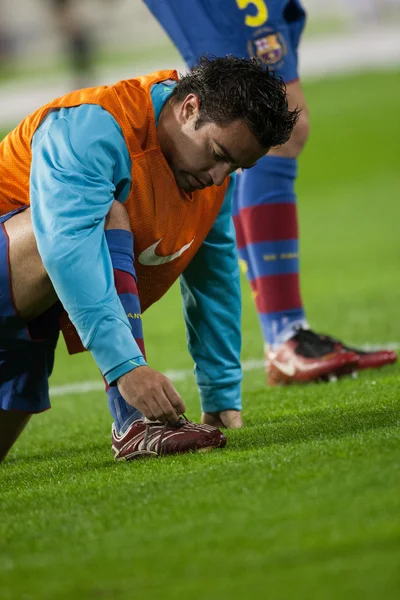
(306, 357)
(367, 359)
(153, 439)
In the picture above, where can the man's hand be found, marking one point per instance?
(152, 393)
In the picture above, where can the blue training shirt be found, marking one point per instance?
(80, 164)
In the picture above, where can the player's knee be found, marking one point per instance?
(302, 129)
(299, 136)
(118, 217)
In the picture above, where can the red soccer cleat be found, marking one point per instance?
(306, 357)
(367, 359)
(153, 439)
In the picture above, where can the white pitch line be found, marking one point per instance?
(180, 375)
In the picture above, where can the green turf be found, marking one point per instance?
(305, 500)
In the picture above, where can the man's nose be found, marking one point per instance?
(219, 173)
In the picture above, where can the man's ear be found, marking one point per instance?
(190, 109)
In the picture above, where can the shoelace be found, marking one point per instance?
(183, 420)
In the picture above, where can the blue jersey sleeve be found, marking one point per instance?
(80, 164)
(211, 296)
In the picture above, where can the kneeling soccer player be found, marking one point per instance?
(107, 196)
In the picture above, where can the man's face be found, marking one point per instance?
(205, 156)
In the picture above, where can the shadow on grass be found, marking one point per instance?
(328, 423)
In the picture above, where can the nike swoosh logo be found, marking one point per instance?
(149, 257)
(287, 369)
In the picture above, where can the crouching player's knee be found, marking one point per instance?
(118, 217)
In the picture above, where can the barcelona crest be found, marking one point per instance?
(268, 45)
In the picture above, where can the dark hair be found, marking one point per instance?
(233, 88)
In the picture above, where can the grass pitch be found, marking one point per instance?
(304, 502)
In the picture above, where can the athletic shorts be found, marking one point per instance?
(26, 349)
(268, 29)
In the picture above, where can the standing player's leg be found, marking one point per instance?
(268, 214)
(265, 209)
(265, 212)
(27, 340)
(268, 241)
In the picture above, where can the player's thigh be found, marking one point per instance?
(32, 291)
